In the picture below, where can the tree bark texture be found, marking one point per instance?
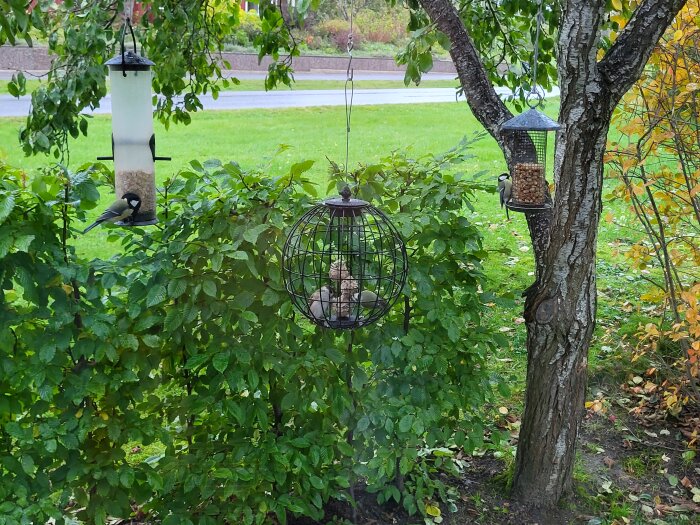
(560, 307)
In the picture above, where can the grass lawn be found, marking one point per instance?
(259, 85)
(251, 137)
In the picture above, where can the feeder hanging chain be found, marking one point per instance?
(349, 97)
(533, 90)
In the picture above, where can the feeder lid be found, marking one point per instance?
(531, 120)
(129, 61)
(346, 206)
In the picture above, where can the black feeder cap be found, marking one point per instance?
(346, 206)
(129, 61)
(531, 120)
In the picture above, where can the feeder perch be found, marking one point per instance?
(133, 140)
(527, 135)
(344, 263)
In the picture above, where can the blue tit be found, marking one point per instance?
(505, 188)
(119, 210)
(368, 299)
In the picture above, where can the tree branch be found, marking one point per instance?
(481, 96)
(624, 62)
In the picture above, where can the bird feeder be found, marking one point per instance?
(133, 140)
(527, 135)
(344, 263)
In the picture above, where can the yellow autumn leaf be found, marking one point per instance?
(502, 410)
(617, 4)
(104, 416)
(432, 510)
(678, 35)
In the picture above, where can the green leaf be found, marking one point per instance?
(363, 424)
(209, 288)
(156, 295)
(405, 423)
(300, 167)
(220, 362)
(176, 288)
(251, 235)
(7, 204)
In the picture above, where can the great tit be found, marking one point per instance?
(119, 210)
(369, 299)
(505, 187)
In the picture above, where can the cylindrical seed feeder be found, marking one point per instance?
(527, 135)
(133, 140)
(344, 263)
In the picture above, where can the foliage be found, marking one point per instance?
(182, 38)
(249, 28)
(337, 31)
(657, 163)
(187, 341)
(385, 26)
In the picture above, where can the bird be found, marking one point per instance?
(505, 187)
(369, 299)
(323, 294)
(320, 304)
(120, 209)
(321, 310)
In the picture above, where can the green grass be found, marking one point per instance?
(302, 84)
(251, 136)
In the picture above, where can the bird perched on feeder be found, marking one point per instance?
(505, 187)
(119, 210)
(320, 303)
(369, 299)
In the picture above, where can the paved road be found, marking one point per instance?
(231, 100)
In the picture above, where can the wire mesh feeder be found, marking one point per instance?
(527, 135)
(344, 263)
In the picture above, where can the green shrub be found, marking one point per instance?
(337, 31)
(187, 343)
(383, 27)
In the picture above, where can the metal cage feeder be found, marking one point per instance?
(527, 135)
(344, 263)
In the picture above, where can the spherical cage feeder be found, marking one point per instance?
(344, 264)
(527, 136)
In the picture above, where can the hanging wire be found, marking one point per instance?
(349, 82)
(533, 88)
(128, 13)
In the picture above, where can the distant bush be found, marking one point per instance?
(337, 31)
(379, 27)
(249, 28)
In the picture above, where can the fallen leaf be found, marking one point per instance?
(505, 329)
(519, 320)
(608, 461)
(502, 410)
(687, 483)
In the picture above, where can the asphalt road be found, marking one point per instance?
(232, 100)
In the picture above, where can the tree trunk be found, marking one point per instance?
(560, 306)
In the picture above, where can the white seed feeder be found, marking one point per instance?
(133, 140)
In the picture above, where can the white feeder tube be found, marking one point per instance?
(132, 129)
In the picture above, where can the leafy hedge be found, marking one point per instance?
(186, 343)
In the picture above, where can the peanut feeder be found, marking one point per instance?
(527, 134)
